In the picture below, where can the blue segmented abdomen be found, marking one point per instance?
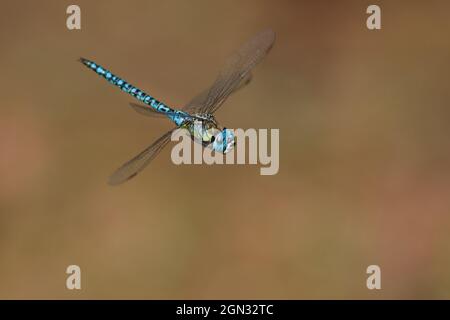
(132, 90)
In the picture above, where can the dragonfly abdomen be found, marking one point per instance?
(127, 87)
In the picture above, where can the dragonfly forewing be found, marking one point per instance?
(135, 165)
(235, 74)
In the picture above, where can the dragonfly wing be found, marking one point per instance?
(135, 165)
(196, 103)
(237, 68)
(199, 101)
(146, 111)
(245, 81)
(236, 72)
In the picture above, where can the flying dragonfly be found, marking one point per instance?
(235, 74)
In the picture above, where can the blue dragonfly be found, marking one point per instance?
(235, 74)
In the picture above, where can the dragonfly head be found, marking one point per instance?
(224, 141)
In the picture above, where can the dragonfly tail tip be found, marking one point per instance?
(83, 60)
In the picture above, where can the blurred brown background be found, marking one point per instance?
(364, 155)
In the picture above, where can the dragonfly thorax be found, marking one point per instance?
(206, 117)
(203, 128)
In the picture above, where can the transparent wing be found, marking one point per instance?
(245, 81)
(135, 165)
(200, 100)
(235, 74)
(196, 103)
(146, 111)
(150, 112)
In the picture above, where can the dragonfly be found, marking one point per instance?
(234, 75)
